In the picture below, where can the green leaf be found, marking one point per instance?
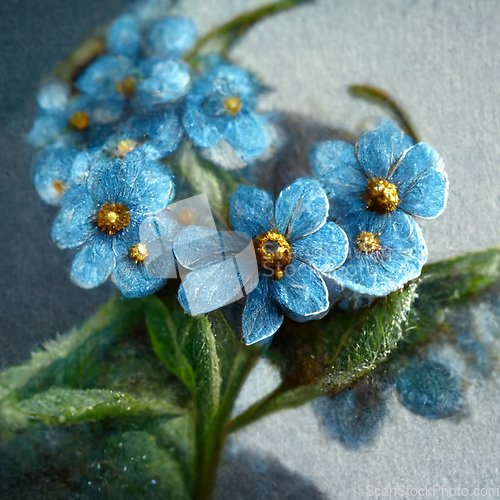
(186, 345)
(116, 313)
(344, 346)
(70, 406)
(446, 284)
(329, 355)
(204, 177)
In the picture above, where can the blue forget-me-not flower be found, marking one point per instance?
(102, 219)
(383, 174)
(294, 245)
(375, 188)
(220, 108)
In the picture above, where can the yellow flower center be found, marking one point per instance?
(367, 242)
(138, 252)
(381, 196)
(80, 120)
(113, 217)
(273, 252)
(232, 105)
(125, 147)
(59, 186)
(127, 86)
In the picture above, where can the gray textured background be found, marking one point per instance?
(440, 59)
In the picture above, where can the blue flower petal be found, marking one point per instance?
(52, 171)
(198, 125)
(429, 389)
(54, 97)
(124, 36)
(402, 255)
(422, 182)
(335, 166)
(171, 37)
(46, 129)
(301, 209)
(251, 210)
(74, 223)
(236, 81)
(325, 249)
(165, 80)
(132, 279)
(301, 293)
(246, 133)
(379, 149)
(139, 182)
(94, 262)
(99, 80)
(261, 318)
(161, 126)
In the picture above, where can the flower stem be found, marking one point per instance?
(237, 26)
(282, 397)
(379, 96)
(211, 443)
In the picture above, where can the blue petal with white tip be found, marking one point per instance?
(422, 182)
(325, 249)
(261, 317)
(251, 210)
(301, 208)
(171, 37)
(124, 36)
(93, 263)
(301, 293)
(73, 225)
(377, 151)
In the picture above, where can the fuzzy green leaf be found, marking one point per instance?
(70, 406)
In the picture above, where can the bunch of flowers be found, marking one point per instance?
(109, 145)
(152, 147)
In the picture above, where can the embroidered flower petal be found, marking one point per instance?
(251, 210)
(139, 182)
(246, 133)
(171, 37)
(325, 249)
(301, 293)
(400, 259)
(73, 225)
(301, 209)
(379, 149)
(164, 80)
(422, 182)
(51, 173)
(130, 277)
(124, 36)
(261, 318)
(93, 263)
(336, 167)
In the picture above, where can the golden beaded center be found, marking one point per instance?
(138, 252)
(273, 252)
(232, 105)
(113, 217)
(367, 242)
(381, 196)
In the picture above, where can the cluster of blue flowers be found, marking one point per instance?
(108, 140)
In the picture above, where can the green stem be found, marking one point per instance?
(240, 24)
(282, 397)
(211, 443)
(378, 96)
